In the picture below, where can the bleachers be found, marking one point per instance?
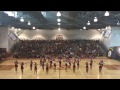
(3, 54)
(56, 48)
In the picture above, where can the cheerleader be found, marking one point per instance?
(77, 64)
(66, 66)
(41, 62)
(43, 65)
(50, 63)
(54, 66)
(100, 66)
(69, 64)
(31, 64)
(91, 62)
(35, 68)
(74, 67)
(16, 65)
(59, 63)
(47, 68)
(22, 67)
(86, 67)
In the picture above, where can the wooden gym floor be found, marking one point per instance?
(111, 70)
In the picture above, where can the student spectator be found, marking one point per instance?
(57, 48)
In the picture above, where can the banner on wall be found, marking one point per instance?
(110, 52)
(114, 53)
(118, 51)
(12, 36)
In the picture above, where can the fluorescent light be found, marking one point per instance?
(59, 20)
(88, 23)
(33, 27)
(58, 14)
(106, 13)
(59, 24)
(29, 23)
(95, 19)
(84, 27)
(21, 19)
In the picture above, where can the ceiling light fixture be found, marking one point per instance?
(84, 27)
(95, 19)
(59, 24)
(59, 20)
(58, 14)
(29, 23)
(88, 23)
(106, 13)
(21, 19)
(118, 23)
(33, 27)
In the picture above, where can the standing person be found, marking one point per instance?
(91, 62)
(54, 66)
(66, 66)
(31, 64)
(100, 66)
(60, 63)
(47, 68)
(102, 63)
(78, 64)
(87, 67)
(74, 67)
(22, 67)
(16, 65)
(41, 62)
(69, 64)
(35, 68)
(43, 65)
(51, 63)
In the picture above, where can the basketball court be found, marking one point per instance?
(111, 70)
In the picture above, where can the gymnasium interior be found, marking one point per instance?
(71, 37)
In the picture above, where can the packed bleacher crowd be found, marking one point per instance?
(3, 54)
(56, 48)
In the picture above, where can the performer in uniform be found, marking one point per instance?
(100, 66)
(77, 64)
(86, 67)
(22, 67)
(47, 68)
(91, 62)
(54, 66)
(60, 63)
(69, 64)
(51, 63)
(31, 64)
(66, 66)
(74, 67)
(43, 65)
(16, 65)
(41, 62)
(35, 68)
